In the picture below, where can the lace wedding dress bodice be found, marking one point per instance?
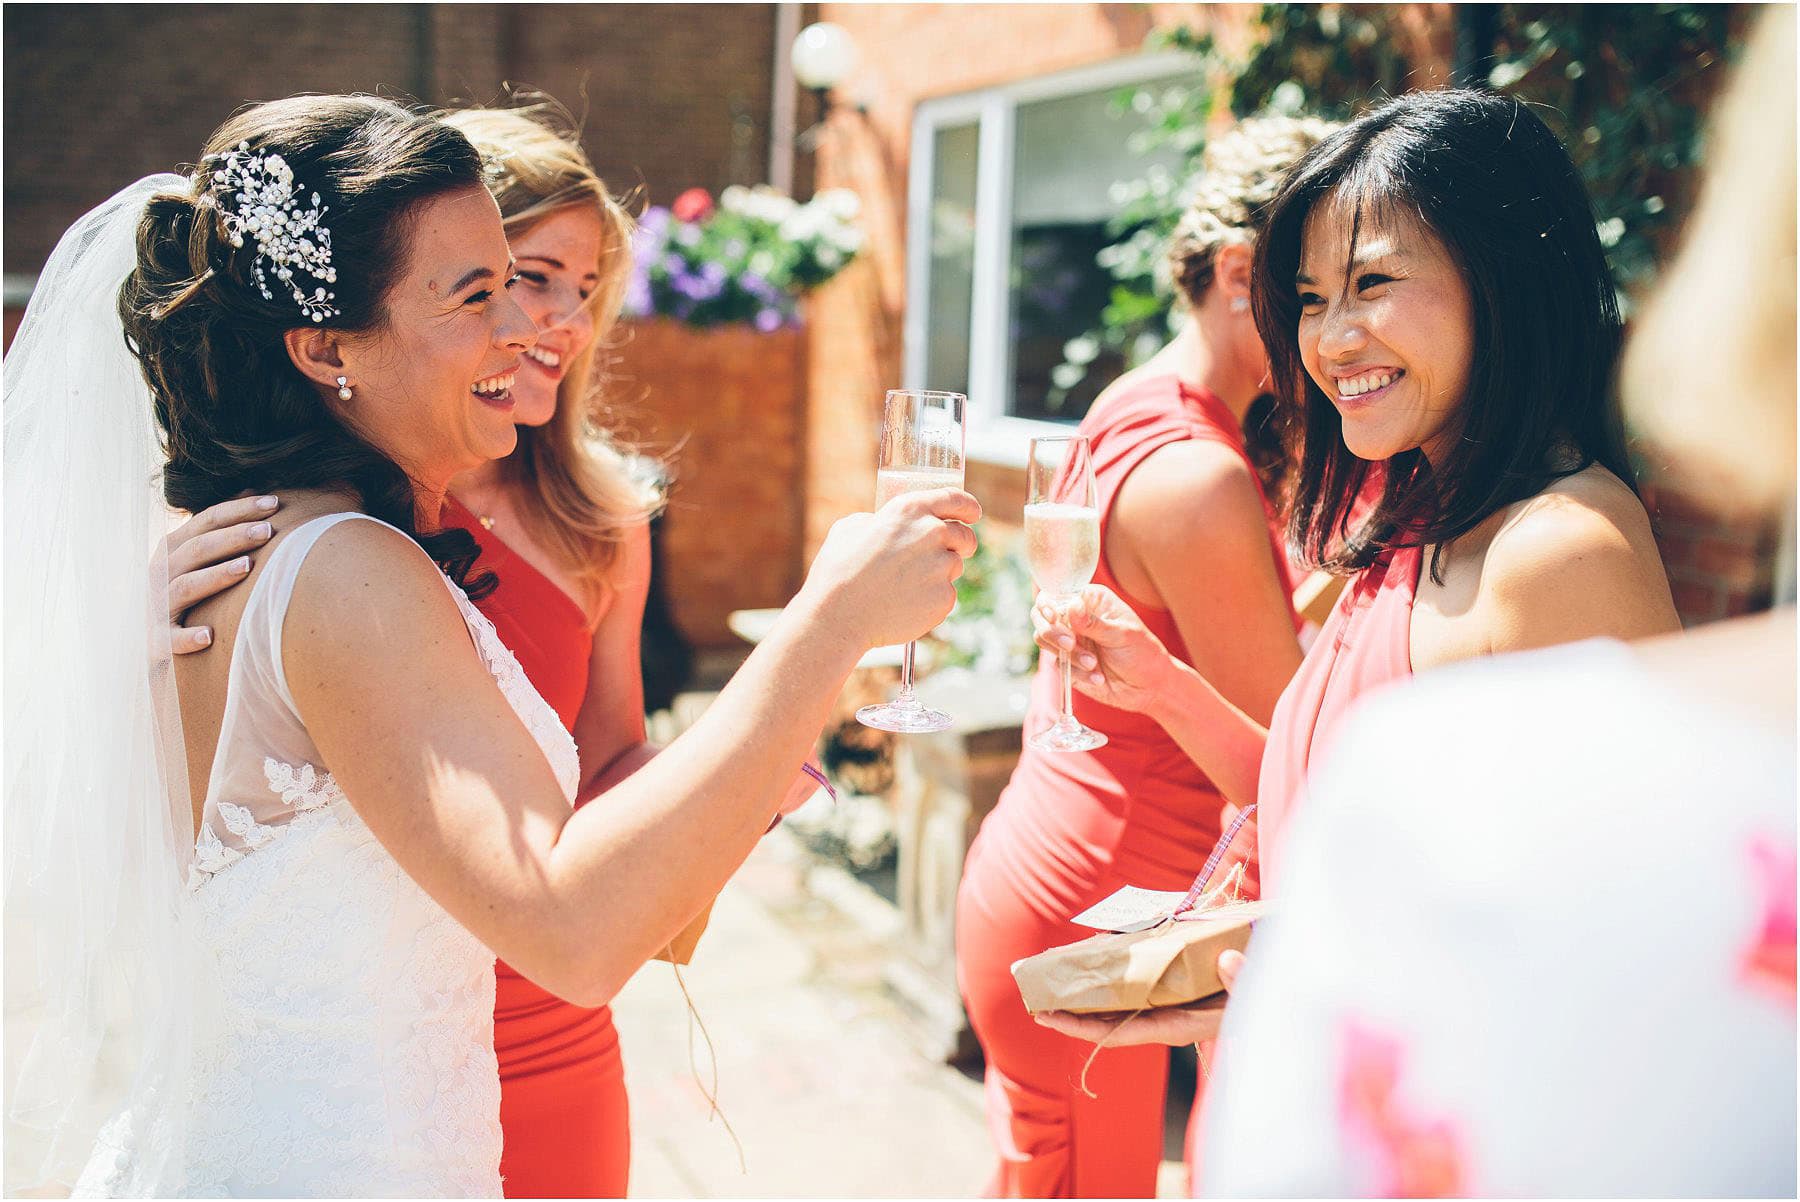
(344, 1043)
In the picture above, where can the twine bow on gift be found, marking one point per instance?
(1197, 903)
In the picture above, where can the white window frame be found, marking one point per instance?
(994, 437)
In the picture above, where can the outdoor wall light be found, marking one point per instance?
(824, 54)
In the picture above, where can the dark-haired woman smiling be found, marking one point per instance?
(1434, 298)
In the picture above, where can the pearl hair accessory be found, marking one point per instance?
(269, 210)
(343, 388)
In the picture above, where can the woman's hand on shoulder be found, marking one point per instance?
(1577, 561)
(1117, 660)
(889, 577)
(209, 553)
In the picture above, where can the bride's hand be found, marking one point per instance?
(1118, 661)
(889, 577)
(209, 553)
(1174, 1025)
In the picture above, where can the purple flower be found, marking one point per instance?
(698, 285)
(655, 219)
(759, 287)
(686, 234)
(638, 301)
(673, 264)
(713, 273)
(768, 320)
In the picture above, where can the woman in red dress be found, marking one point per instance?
(1188, 542)
(564, 524)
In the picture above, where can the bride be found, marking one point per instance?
(256, 897)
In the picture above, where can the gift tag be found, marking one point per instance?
(1130, 909)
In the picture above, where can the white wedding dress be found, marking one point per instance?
(343, 1034)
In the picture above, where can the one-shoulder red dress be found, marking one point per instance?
(1069, 829)
(563, 1109)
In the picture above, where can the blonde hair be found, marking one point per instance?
(582, 489)
(1709, 373)
(1240, 172)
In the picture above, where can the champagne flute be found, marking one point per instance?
(1062, 545)
(921, 448)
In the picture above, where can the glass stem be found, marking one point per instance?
(906, 669)
(1068, 689)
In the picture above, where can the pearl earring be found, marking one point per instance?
(1240, 304)
(343, 388)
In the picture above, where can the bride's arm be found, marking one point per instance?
(428, 751)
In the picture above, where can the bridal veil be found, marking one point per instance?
(100, 964)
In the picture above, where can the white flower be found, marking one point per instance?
(1081, 351)
(841, 203)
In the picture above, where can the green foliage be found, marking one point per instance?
(1623, 85)
(989, 631)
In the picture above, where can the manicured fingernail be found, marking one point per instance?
(1086, 661)
(261, 530)
(1096, 678)
(267, 504)
(1064, 641)
(240, 565)
(203, 636)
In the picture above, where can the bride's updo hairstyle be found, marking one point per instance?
(206, 317)
(1484, 175)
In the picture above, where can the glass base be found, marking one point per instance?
(904, 717)
(1068, 735)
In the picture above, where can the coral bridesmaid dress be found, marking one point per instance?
(1365, 643)
(563, 1110)
(1069, 829)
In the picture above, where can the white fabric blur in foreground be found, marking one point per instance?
(1536, 937)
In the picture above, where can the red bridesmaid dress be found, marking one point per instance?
(563, 1109)
(1069, 829)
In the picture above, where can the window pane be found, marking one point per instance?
(1068, 153)
(950, 283)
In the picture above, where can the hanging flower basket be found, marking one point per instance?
(749, 258)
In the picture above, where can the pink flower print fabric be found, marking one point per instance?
(1410, 1153)
(1768, 962)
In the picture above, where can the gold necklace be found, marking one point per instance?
(486, 520)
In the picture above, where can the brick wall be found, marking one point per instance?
(723, 406)
(1718, 567)
(98, 95)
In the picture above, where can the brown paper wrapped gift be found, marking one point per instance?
(1168, 965)
(681, 948)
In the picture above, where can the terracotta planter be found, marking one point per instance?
(726, 406)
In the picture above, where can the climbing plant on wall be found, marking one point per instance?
(1625, 86)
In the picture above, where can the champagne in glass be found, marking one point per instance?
(921, 448)
(1062, 545)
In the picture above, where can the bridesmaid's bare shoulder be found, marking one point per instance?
(1575, 561)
